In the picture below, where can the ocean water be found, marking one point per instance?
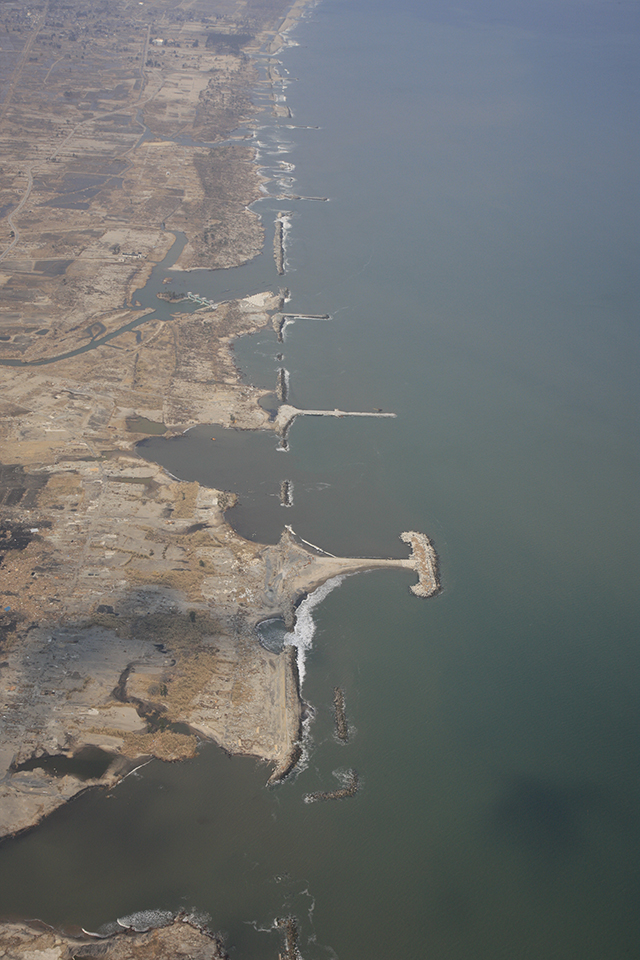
(477, 256)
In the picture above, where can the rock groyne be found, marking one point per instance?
(182, 937)
(289, 926)
(282, 221)
(342, 727)
(282, 385)
(350, 788)
(425, 563)
(286, 493)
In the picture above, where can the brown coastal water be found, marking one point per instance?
(477, 257)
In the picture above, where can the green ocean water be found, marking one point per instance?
(478, 258)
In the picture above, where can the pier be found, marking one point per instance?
(297, 567)
(293, 196)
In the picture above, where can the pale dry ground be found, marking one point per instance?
(180, 939)
(128, 603)
(90, 526)
(92, 182)
(133, 571)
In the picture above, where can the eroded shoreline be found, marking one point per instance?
(102, 551)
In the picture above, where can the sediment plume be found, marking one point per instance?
(425, 563)
(349, 790)
(342, 728)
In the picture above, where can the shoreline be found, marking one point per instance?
(103, 545)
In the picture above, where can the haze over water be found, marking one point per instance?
(479, 259)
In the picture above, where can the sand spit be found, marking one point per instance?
(280, 38)
(37, 941)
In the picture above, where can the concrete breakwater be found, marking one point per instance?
(289, 764)
(280, 320)
(342, 727)
(350, 788)
(287, 414)
(293, 703)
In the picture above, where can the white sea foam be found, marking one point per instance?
(288, 322)
(302, 634)
(199, 919)
(147, 920)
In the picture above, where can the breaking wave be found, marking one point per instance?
(273, 634)
(302, 634)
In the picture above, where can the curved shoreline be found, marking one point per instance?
(128, 547)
